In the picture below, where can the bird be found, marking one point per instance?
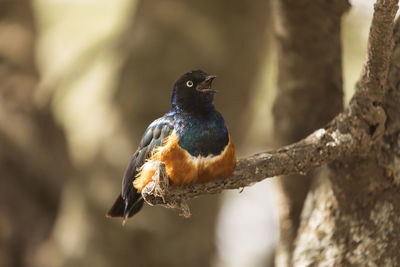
(191, 139)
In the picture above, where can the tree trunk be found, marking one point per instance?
(353, 219)
(310, 93)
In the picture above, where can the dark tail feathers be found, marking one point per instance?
(126, 208)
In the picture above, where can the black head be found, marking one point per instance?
(192, 91)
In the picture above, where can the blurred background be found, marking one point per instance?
(80, 80)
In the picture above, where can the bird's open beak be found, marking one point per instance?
(205, 86)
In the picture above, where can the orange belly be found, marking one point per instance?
(182, 168)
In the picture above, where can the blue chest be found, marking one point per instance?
(201, 135)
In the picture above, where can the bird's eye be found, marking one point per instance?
(189, 83)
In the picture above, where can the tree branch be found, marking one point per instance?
(380, 46)
(317, 149)
(355, 130)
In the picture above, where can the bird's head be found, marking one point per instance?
(193, 92)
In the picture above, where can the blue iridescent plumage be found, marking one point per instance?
(201, 135)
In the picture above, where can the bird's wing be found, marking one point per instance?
(153, 137)
(130, 200)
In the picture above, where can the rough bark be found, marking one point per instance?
(309, 93)
(391, 142)
(33, 156)
(353, 219)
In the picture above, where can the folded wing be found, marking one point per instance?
(129, 202)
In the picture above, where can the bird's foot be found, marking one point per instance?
(158, 188)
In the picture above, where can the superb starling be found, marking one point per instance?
(191, 140)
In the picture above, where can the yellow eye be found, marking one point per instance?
(189, 83)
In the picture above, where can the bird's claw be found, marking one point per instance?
(158, 187)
